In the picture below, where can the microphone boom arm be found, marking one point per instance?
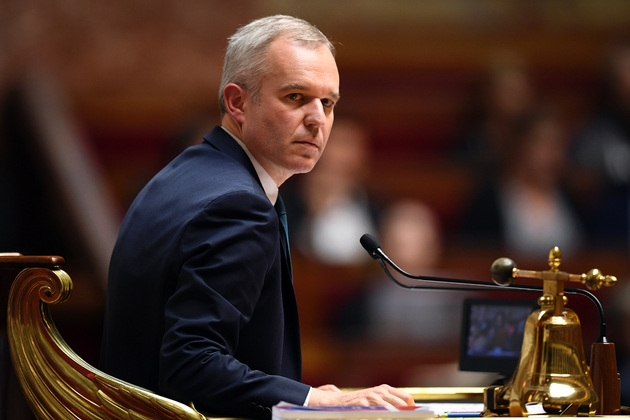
(503, 272)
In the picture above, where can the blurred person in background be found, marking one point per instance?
(331, 207)
(602, 152)
(427, 322)
(505, 96)
(526, 208)
(410, 233)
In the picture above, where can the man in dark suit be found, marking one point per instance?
(200, 302)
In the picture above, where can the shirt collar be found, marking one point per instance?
(268, 184)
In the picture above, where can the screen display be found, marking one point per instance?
(492, 334)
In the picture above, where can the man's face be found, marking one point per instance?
(287, 128)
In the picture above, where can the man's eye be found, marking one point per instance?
(294, 96)
(328, 103)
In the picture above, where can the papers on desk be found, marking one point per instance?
(287, 411)
(455, 409)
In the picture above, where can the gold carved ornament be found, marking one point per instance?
(56, 382)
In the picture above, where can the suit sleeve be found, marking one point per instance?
(227, 252)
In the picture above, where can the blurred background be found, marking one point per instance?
(467, 131)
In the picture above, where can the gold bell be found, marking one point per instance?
(552, 371)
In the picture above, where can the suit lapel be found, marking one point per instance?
(221, 140)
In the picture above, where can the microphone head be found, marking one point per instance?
(370, 244)
(502, 271)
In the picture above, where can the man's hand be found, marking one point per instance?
(379, 395)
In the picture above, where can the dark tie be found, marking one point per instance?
(284, 231)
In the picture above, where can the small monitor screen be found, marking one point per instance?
(492, 334)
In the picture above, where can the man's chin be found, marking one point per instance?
(304, 166)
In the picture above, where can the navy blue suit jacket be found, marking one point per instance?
(200, 303)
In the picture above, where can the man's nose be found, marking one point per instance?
(315, 114)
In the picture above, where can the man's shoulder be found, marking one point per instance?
(205, 167)
(191, 182)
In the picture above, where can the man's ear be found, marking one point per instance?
(234, 99)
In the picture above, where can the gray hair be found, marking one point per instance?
(246, 55)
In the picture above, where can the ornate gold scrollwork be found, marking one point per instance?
(56, 382)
